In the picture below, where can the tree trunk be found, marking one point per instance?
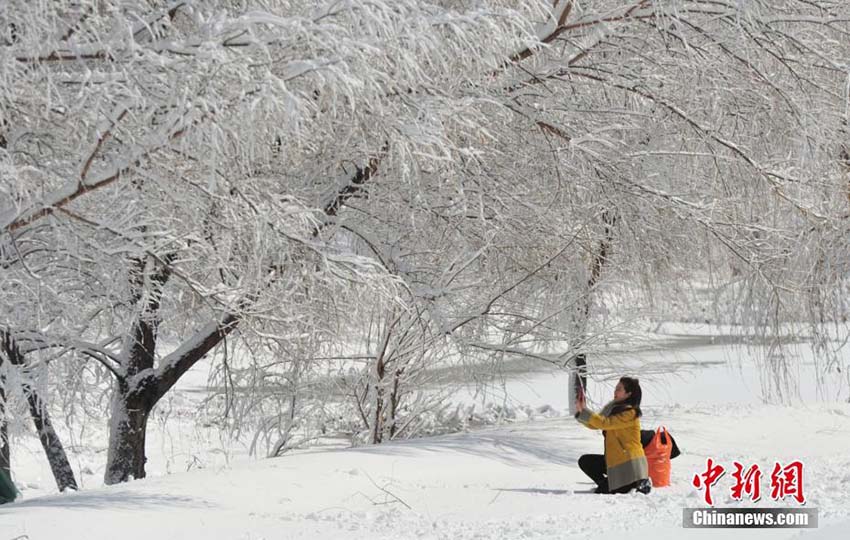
(5, 449)
(53, 449)
(378, 424)
(127, 430)
(395, 398)
(378, 416)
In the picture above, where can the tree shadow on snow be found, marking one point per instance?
(540, 491)
(506, 444)
(106, 499)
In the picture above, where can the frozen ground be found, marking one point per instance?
(519, 480)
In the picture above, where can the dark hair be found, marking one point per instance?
(632, 386)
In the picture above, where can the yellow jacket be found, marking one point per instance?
(624, 455)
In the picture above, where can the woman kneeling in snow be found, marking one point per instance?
(624, 460)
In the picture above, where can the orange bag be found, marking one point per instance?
(658, 456)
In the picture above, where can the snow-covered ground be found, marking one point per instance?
(519, 480)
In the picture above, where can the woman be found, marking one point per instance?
(624, 461)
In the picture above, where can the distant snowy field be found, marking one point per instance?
(517, 480)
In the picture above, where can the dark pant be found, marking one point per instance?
(593, 466)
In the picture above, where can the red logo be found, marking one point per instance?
(787, 481)
(748, 483)
(707, 479)
(784, 481)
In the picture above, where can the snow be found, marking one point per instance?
(517, 480)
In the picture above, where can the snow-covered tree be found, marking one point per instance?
(196, 150)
